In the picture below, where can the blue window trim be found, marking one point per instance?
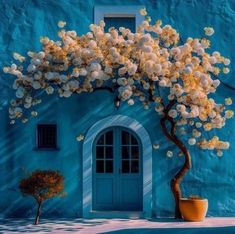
(118, 11)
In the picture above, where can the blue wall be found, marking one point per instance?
(22, 23)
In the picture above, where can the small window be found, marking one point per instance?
(47, 136)
(126, 22)
(119, 16)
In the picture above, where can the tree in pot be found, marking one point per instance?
(152, 66)
(42, 185)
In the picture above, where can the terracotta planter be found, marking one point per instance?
(193, 209)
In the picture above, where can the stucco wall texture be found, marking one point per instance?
(21, 25)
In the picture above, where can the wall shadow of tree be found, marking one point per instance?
(65, 225)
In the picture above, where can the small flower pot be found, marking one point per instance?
(193, 209)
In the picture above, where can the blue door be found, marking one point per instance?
(117, 171)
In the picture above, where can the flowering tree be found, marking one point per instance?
(152, 66)
(42, 185)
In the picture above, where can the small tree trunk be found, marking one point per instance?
(176, 181)
(38, 213)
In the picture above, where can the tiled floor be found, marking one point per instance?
(120, 226)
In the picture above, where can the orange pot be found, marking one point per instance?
(193, 209)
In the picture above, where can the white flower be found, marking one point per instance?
(228, 101)
(67, 93)
(146, 86)
(226, 62)
(95, 75)
(12, 121)
(41, 55)
(229, 114)
(156, 146)
(180, 108)
(24, 120)
(36, 85)
(18, 57)
(6, 69)
(192, 141)
(73, 84)
(13, 66)
(18, 112)
(80, 137)
(75, 73)
(219, 153)
(28, 99)
(132, 69)
(34, 113)
(95, 67)
(13, 102)
(198, 124)
(49, 90)
(196, 133)
(169, 154)
(171, 97)
(64, 78)
(131, 102)
(172, 113)
(125, 92)
(122, 81)
(49, 75)
(188, 70)
(20, 92)
(108, 70)
(213, 60)
(130, 81)
(83, 72)
(163, 83)
(216, 83)
(143, 11)
(226, 70)
(31, 68)
(27, 105)
(225, 145)
(102, 24)
(159, 108)
(61, 24)
(209, 31)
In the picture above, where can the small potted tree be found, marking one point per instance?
(42, 185)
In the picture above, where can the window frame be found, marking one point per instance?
(138, 144)
(47, 148)
(100, 12)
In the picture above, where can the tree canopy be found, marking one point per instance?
(43, 185)
(152, 66)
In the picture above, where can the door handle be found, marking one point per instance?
(119, 170)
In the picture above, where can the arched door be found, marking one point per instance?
(117, 171)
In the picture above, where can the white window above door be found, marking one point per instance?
(129, 13)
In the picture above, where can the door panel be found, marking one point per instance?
(104, 184)
(117, 171)
(131, 194)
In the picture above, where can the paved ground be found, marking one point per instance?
(120, 226)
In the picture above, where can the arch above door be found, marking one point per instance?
(135, 126)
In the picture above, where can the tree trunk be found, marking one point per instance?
(176, 180)
(38, 213)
